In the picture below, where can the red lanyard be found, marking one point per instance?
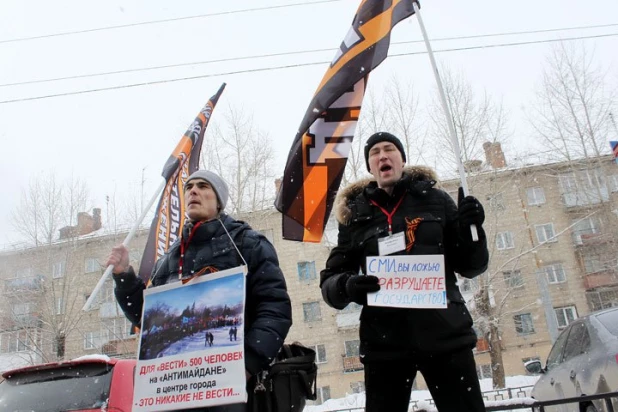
(183, 245)
(389, 216)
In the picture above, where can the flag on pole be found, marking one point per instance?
(319, 153)
(170, 213)
(614, 145)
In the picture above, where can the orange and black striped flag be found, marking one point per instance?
(319, 153)
(170, 213)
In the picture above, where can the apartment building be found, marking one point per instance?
(551, 229)
(551, 232)
(44, 289)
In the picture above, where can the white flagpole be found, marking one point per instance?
(447, 112)
(125, 242)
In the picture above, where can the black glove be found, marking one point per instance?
(471, 211)
(357, 287)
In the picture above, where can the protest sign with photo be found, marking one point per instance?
(408, 281)
(191, 351)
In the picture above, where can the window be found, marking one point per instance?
(483, 371)
(565, 315)
(351, 308)
(59, 306)
(593, 264)
(22, 312)
(311, 311)
(513, 278)
(496, 201)
(115, 329)
(11, 342)
(536, 196)
(545, 233)
(306, 271)
(555, 273)
(523, 324)
(91, 265)
(323, 394)
(610, 321)
(582, 188)
(504, 240)
(357, 387)
(555, 356)
(583, 229)
(320, 353)
(578, 341)
(58, 269)
(352, 348)
(91, 340)
(602, 299)
(613, 183)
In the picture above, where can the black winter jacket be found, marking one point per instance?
(268, 313)
(395, 333)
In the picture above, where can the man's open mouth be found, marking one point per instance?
(385, 168)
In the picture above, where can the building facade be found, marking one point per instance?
(551, 231)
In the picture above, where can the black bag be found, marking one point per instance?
(289, 382)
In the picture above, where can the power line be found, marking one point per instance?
(145, 23)
(203, 76)
(290, 53)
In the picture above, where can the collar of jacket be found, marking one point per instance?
(206, 230)
(416, 180)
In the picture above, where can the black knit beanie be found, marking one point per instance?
(382, 137)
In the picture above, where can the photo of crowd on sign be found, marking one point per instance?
(193, 317)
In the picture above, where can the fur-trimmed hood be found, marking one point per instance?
(342, 210)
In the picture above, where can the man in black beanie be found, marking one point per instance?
(402, 211)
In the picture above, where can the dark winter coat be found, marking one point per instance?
(268, 313)
(394, 333)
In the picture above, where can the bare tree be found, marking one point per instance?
(243, 155)
(403, 120)
(46, 207)
(393, 110)
(39, 214)
(572, 114)
(476, 120)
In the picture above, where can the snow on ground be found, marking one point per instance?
(356, 402)
(196, 341)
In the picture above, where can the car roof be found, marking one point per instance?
(85, 360)
(603, 311)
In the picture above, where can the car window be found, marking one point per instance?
(610, 321)
(555, 355)
(578, 341)
(61, 389)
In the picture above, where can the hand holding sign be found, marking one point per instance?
(357, 287)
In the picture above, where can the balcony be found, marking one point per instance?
(591, 239)
(27, 284)
(25, 320)
(120, 347)
(352, 364)
(585, 197)
(348, 320)
(482, 345)
(599, 279)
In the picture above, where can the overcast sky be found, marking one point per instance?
(109, 137)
